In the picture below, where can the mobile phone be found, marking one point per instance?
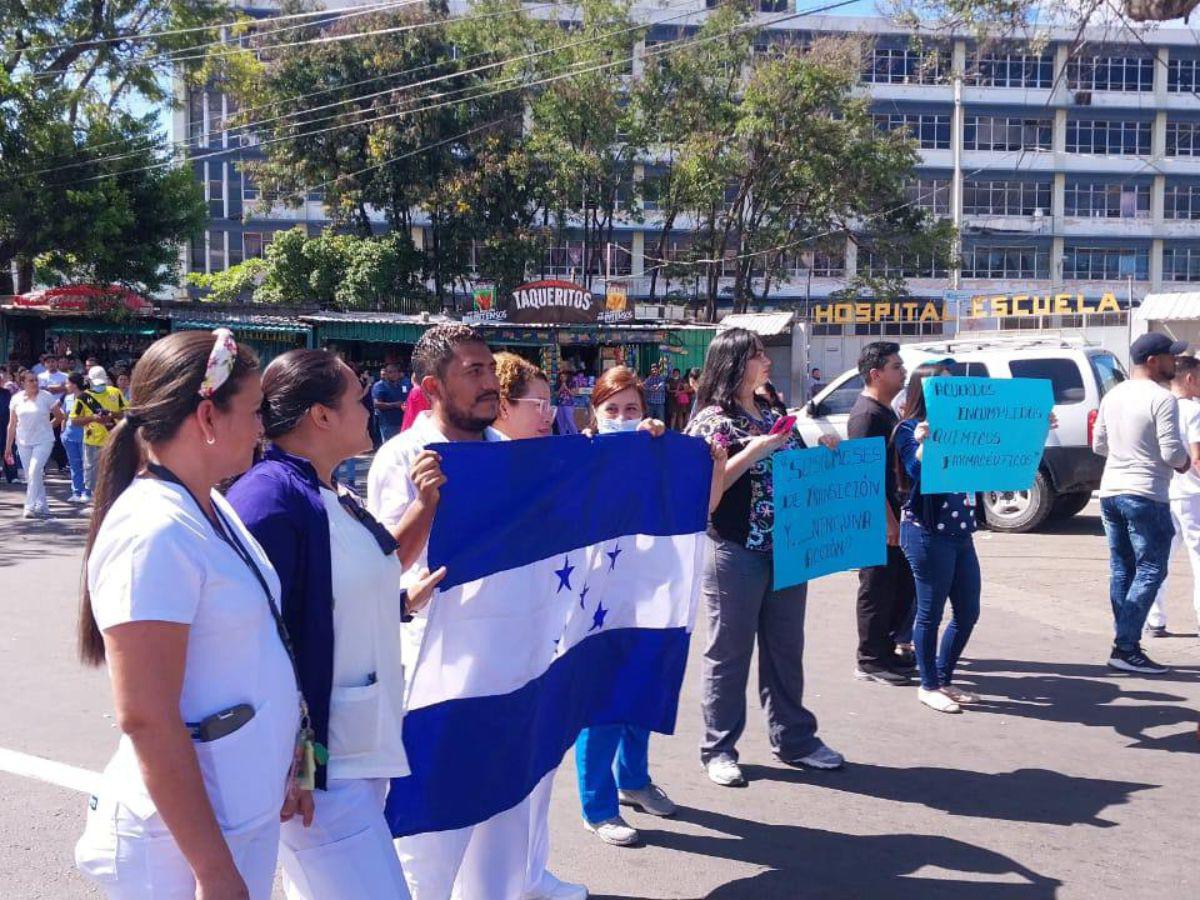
(787, 423)
(223, 723)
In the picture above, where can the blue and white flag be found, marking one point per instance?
(573, 572)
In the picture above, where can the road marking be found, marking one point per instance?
(49, 771)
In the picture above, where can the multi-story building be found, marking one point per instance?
(1076, 163)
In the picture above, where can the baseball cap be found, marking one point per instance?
(97, 376)
(1154, 344)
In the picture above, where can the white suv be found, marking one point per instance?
(1080, 374)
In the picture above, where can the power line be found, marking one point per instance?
(649, 53)
(344, 12)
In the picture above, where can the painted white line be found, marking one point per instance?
(49, 771)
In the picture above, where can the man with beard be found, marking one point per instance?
(455, 370)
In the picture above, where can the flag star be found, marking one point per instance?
(583, 595)
(612, 555)
(598, 616)
(564, 575)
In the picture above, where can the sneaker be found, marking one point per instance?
(881, 675)
(1135, 661)
(958, 695)
(615, 831)
(906, 660)
(1157, 631)
(823, 758)
(77, 498)
(938, 700)
(725, 771)
(651, 799)
(551, 888)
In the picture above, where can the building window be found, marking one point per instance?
(1110, 73)
(931, 132)
(1181, 263)
(198, 254)
(905, 265)
(1005, 198)
(1183, 138)
(1105, 263)
(907, 65)
(1004, 133)
(216, 251)
(1099, 200)
(932, 194)
(195, 115)
(215, 189)
(1013, 69)
(1108, 138)
(1181, 201)
(1182, 75)
(254, 243)
(249, 185)
(1005, 262)
(829, 263)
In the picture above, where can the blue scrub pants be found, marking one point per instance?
(608, 757)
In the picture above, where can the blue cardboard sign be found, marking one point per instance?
(829, 510)
(985, 434)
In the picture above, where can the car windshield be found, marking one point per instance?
(1108, 371)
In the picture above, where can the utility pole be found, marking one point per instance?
(956, 185)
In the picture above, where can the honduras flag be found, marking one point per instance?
(573, 571)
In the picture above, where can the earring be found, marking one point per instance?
(210, 441)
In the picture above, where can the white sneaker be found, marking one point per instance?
(651, 799)
(725, 771)
(938, 700)
(551, 888)
(77, 498)
(615, 831)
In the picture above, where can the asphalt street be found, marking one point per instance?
(1068, 781)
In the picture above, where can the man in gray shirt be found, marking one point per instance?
(1137, 430)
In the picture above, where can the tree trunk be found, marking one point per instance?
(24, 275)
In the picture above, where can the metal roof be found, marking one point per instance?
(1169, 307)
(763, 324)
(378, 318)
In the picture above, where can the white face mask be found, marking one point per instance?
(616, 426)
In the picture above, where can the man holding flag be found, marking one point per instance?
(569, 598)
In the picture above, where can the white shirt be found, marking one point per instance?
(389, 489)
(52, 379)
(1187, 484)
(33, 417)
(367, 702)
(158, 558)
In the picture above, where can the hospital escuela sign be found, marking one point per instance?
(980, 306)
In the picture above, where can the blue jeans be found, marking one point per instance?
(386, 431)
(658, 411)
(1139, 534)
(74, 450)
(608, 757)
(943, 568)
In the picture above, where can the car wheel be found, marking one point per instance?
(1019, 511)
(1067, 505)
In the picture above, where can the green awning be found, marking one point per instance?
(369, 332)
(249, 329)
(91, 326)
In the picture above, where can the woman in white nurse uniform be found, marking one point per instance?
(180, 603)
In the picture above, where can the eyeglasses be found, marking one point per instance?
(544, 406)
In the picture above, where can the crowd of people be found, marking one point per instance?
(61, 410)
(256, 617)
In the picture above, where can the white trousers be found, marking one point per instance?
(1185, 516)
(500, 859)
(347, 852)
(138, 859)
(34, 458)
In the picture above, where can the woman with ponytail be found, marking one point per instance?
(181, 603)
(343, 605)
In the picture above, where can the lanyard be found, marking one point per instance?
(227, 534)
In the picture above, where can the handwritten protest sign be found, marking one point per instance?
(829, 510)
(985, 434)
